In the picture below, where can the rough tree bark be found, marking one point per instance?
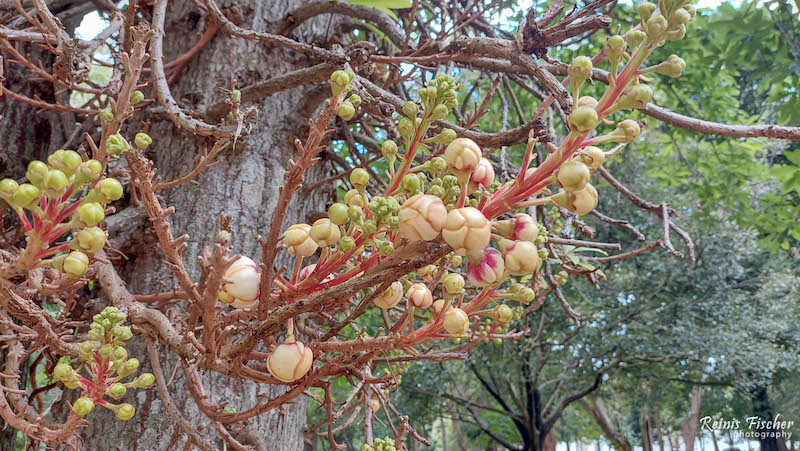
(244, 185)
(598, 411)
(689, 425)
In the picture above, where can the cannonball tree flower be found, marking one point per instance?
(581, 202)
(583, 119)
(290, 361)
(502, 313)
(422, 217)
(419, 296)
(481, 177)
(456, 321)
(438, 305)
(242, 290)
(592, 156)
(463, 155)
(572, 175)
(325, 233)
(298, 240)
(467, 230)
(75, 264)
(521, 226)
(485, 268)
(521, 257)
(90, 239)
(390, 297)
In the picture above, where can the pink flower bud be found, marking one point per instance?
(290, 361)
(456, 321)
(486, 268)
(463, 155)
(467, 230)
(521, 257)
(419, 295)
(422, 217)
(390, 297)
(298, 240)
(482, 176)
(242, 290)
(521, 227)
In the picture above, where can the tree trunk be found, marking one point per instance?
(647, 432)
(598, 411)
(689, 425)
(714, 440)
(763, 411)
(659, 429)
(245, 186)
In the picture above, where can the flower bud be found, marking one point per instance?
(339, 81)
(645, 10)
(353, 197)
(337, 213)
(88, 171)
(656, 26)
(437, 306)
(405, 127)
(390, 297)
(672, 67)
(63, 371)
(116, 144)
(325, 232)
(91, 239)
(8, 188)
(635, 38)
(422, 217)
(439, 112)
(389, 148)
(54, 184)
(125, 412)
(108, 190)
(244, 283)
(346, 110)
(83, 406)
(145, 380)
(136, 97)
(290, 361)
(386, 247)
(410, 183)
(355, 213)
(374, 404)
(627, 131)
(581, 202)
(446, 136)
(520, 227)
(592, 156)
(583, 119)
(119, 352)
(410, 109)
(481, 177)
(502, 313)
(117, 390)
(419, 296)
(679, 17)
(90, 214)
(521, 257)
(587, 101)
(236, 96)
(37, 170)
(463, 155)
(142, 140)
(486, 268)
(25, 195)
(298, 240)
(347, 244)
(676, 34)
(467, 230)
(635, 98)
(359, 177)
(614, 48)
(691, 9)
(572, 175)
(75, 264)
(107, 115)
(456, 321)
(437, 190)
(580, 70)
(66, 161)
(453, 283)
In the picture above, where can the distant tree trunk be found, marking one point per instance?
(550, 442)
(597, 410)
(444, 432)
(689, 425)
(714, 440)
(763, 410)
(647, 431)
(659, 429)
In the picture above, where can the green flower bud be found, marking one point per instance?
(572, 175)
(386, 247)
(116, 144)
(120, 353)
(635, 38)
(370, 227)
(447, 136)
(691, 10)
(117, 390)
(359, 177)
(355, 213)
(614, 48)
(90, 214)
(125, 334)
(83, 406)
(109, 189)
(125, 412)
(451, 103)
(404, 126)
(676, 34)
(679, 17)
(91, 239)
(236, 96)
(410, 183)
(66, 161)
(656, 26)
(86, 350)
(75, 264)
(339, 81)
(353, 197)
(106, 351)
(36, 171)
(107, 115)
(439, 112)
(347, 243)
(410, 109)
(8, 188)
(672, 67)
(453, 283)
(54, 183)
(389, 148)
(355, 99)
(583, 119)
(645, 10)
(145, 380)
(580, 70)
(502, 313)
(627, 131)
(25, 195)
(346, 110)
(136, 97)
(592, 156)
(142, 140)
(543, 253)
(94, 335)
(63, 371)
(436, 190)
(87, 171)
(337, 213)
(636, 97)
(587, 101)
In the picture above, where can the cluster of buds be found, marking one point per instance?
(380, 444)
(53, 200)
(106, 361)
